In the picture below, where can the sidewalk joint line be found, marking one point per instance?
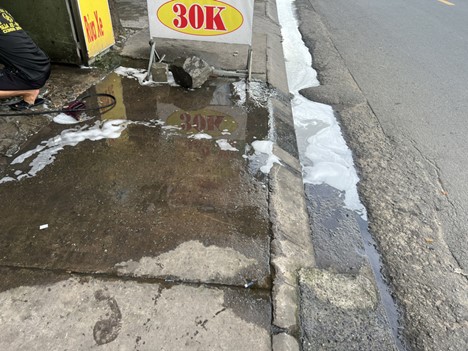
(146, 280)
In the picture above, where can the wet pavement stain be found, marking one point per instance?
(107, 330)
(146, 192)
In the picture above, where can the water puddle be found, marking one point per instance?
(165, 167)
(218, 112)
(391, 308)
(325, 157)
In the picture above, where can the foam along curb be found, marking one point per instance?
(291, 247)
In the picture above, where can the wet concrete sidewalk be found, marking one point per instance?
(149, 204)
(151, 227)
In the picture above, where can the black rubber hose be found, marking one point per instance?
(109, 107)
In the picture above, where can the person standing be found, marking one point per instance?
(26, 66)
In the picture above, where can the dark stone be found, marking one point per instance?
(191, 72)
(181, 77)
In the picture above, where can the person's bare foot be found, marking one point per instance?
(30, 96)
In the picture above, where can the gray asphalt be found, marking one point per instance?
(410, 60)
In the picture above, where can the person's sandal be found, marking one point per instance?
(23, 105)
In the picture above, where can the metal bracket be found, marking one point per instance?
(153, 55)
(248, 73)
(249, 64)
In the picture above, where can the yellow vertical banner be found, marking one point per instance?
(97, 25)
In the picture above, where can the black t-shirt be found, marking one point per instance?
(18, 51)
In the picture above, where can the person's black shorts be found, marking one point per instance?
(10, 80)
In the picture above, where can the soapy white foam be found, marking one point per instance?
(127, 71)
(138, 74)
(240, 91)
(66, 119)
(261, 96)
(169, 127)
(324, 155)
(200, 136)
(171, 80)
(7, 179)
(225, 146)
(256, 91)
(63, 118)
(297, 57)
(45, 153)
(265, 147)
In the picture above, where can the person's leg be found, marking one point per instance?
(28, 95)
(12, 85)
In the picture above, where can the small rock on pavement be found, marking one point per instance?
(190, 72)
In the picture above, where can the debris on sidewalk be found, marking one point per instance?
(190, 72)
(250, 284)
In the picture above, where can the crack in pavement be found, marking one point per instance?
(130, 278)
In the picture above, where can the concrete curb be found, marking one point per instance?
(324, 300)
(291, 247)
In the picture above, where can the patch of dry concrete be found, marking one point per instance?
(90, 314)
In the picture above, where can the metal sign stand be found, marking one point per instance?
(246, 74)
(153, 56)
(249, 64)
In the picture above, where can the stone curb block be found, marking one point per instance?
(291, 247)
(285, 342)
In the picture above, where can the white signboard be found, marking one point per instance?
(227, 21)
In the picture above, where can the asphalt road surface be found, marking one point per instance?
(409, 60)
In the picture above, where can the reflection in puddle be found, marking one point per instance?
(229, 114)
(216, 121)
